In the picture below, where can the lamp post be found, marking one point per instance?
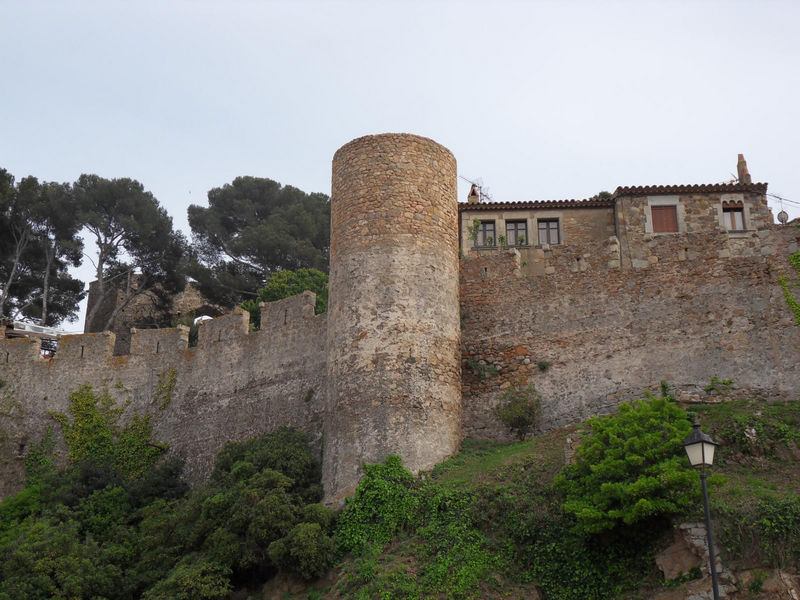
(700, 449)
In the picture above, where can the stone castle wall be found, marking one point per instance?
(393, 338)
(708, 306)
(394, 366)
(232, 386)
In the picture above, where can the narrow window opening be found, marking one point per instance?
(285, 316)
(158, 347)
(82, 348)
(733, 216)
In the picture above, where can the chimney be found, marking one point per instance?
(743, 173)
(474, 195)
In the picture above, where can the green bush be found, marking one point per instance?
(630, 468)
(284, 450)
(193, 578)
(101, 528)
(567, 565)
(519, 409)
(307, 551)
(389, 502)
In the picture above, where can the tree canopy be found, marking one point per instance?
(138, 249)
(251, 228)
(40, 242)
(286, 283)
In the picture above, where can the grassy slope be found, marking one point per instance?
(759, 459)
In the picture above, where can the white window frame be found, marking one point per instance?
(680, 213)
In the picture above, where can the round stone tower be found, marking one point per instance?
(393, 314)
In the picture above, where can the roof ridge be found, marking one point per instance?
(584, 203)
(636, 190)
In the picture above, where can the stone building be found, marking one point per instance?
(635, 216)
(145, 310)
(591, 301)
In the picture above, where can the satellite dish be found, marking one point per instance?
(783, 217)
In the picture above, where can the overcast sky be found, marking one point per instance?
(540, 100)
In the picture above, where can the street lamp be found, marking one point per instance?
(700, 449)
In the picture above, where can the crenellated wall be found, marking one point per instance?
(610, 310)
(705, 304)
(235, 384)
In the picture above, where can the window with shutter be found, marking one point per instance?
(665, 219)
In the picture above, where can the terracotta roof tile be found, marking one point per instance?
(641, 190)
(590, 203)
(706, 188)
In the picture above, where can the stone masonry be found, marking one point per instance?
(232, 386)
(393, 337)
(591, 322)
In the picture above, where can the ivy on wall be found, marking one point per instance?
(94, 432)
(793, 303)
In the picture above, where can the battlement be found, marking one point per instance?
(235, 384)
(295, 314)
(162, 343)
(590, 301)
(286, 312)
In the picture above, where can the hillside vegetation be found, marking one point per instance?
(513, 521)
(495, 521)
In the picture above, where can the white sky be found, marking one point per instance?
(541, 100)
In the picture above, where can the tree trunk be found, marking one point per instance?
(91, 311)
(18, 250)
(49, 252)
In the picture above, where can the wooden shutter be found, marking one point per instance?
(665, 219)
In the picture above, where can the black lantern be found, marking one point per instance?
(700, 449)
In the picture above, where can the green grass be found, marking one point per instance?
(483, 462)
(758, 467)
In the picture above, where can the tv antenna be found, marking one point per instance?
(483, 191)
